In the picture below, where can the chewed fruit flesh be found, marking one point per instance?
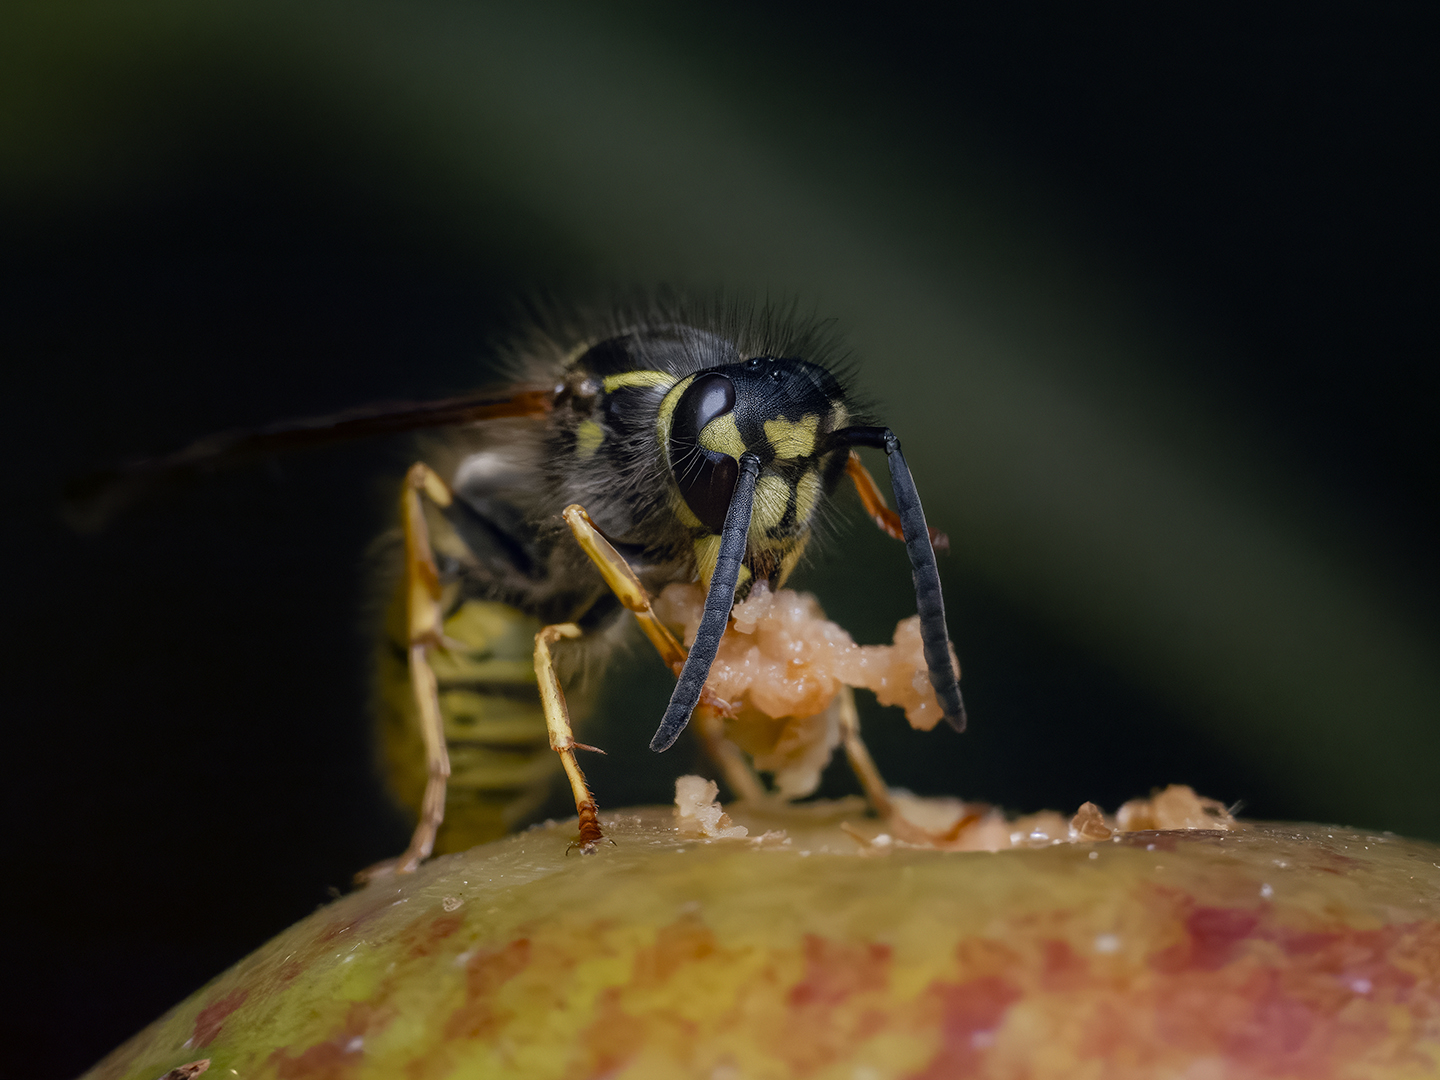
(783, 656)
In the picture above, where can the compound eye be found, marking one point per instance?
(706, 478)
(706, 398)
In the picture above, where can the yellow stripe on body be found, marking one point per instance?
(490, 718)
(500, 757)
(664, 419)
(772, 499)
(481, 775)
(666, 415)
(807, 494)
(791, 558)
(588, 438)
(723, 436)
(681, 509)
(638, 380)
(707, 553)
(792, 439)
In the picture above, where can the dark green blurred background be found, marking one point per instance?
(1149, 295)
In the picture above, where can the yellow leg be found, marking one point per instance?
(877, 794)
(562, 739)
(424, 622)
(861, 763)
(624, 584)
(730, 759)
(628, 590)
(886, 519)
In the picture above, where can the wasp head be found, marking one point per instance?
(782, 411)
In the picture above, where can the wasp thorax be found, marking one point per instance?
(775, 408)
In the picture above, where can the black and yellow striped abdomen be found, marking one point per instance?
(501, 764)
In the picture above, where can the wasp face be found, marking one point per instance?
(751, 446)
(778, 409)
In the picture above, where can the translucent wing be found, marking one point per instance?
(94, 499)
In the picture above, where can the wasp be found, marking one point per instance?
(646, 449)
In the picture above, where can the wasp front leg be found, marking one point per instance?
(424, 620)
(711, 713)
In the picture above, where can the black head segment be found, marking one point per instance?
(775, 408)
(728, 424)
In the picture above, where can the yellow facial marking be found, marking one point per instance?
(682, 510)
(807, 494)
(723, 435)
(743, 579)
(637, 380)
(666, 416)
(792, 439)
(588, 437)
(792, 557)
(772, 499)
(839, 417)
(707, 551)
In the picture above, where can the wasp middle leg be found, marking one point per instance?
(627, 588)
(562, 738)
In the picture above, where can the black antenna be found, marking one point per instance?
(718, 602)
(928, 601)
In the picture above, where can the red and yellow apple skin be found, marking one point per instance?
(1272, 951)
